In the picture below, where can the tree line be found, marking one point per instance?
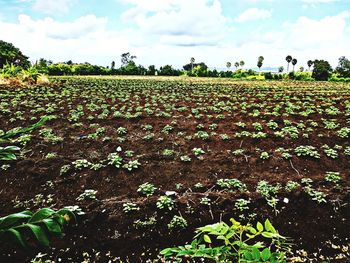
(321, 69)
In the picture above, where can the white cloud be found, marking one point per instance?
(254, 14)
(309, 33)
(82, 26)
(172, 33)
(304, 39)
(179, 22)
(84, 39)
(52, 7)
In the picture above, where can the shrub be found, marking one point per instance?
(233, 243)
(268, 75)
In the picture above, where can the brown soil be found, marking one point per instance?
(105, 227)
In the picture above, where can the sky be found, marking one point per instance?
(163, 32)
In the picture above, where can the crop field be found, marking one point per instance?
(145, 161)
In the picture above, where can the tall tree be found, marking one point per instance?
(12, 55)
(260, 62)
(236, 65)
(280, 69)
(343, 68)
(151, 70)
(228, 65)
(310, 63)
(288, 59)
(241, 63)
(192, 62)
(294, 62)
(127, 58)
(112, 65)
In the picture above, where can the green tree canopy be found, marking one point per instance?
(322, 70)
(10, 54)
(127, 58)
(343, 68)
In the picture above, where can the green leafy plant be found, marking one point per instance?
(88, 194)
(131, 165)
(231, 183)
(129, 207)
(122, 131)
(115, 159)
(165, 202)
(344, 132)
(168, 152)
(8, 153)
(291, 185)
(307, 151)
(17, 131)
(41, 224)
(333, 177)
(185, 158)
(264, 156)
(242, 204)
(178, 222)
(234, 243)
(198, 151)
(146, 189)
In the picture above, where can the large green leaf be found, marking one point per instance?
(41, 214)
(255, 253)
(269, 227)
(14, 219)
(15, 132)
(53, 227)
(260, 227)
(39, 234)
(265, 254)
(16, 235)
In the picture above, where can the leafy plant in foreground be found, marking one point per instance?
(42, 223)
(234, 243)
(8, 153)
(14, 132)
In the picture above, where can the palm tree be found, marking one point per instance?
(241, 63)
(310, 63)
(260, 62)
(228, 65)
(289, 59)
(294, 62)
(192, 62)
(237, 65)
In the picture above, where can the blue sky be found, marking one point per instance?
(171, 31)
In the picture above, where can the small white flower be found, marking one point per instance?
(286, 200)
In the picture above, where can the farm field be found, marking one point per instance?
(133, 152)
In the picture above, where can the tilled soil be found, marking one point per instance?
(106, 232)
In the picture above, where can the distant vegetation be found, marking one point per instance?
(14, 64)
